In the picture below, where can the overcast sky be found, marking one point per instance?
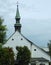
(35, 19)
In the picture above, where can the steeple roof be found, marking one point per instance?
(17, 18)
(17, 13)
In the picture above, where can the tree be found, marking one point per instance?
(6, 56)
(2, 31)
(49, 46)
(23, 55)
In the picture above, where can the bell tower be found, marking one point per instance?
(17, 18)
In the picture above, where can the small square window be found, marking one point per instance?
(34, 49)
(21, 38)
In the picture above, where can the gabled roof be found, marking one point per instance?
(34, 43)
(39, 59)
(28, 41)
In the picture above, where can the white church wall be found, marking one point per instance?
(17, 40)
(38, 53)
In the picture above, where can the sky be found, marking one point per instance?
(35, 19)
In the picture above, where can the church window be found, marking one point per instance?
(34, 49)
(21, 38)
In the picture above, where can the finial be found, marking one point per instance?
(17, 3)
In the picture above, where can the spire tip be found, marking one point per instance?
(17, 3)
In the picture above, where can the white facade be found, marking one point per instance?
(39, 53)
(18, 39)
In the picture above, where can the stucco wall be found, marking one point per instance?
(18, 40)
(39, 53)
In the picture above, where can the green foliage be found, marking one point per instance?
(6, 56)
(23, 55)
(2, 31)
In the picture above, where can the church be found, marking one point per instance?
(38, 55)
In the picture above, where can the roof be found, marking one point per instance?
(28, 41)
(18, 24)
(39, 59)
(34, 60)
(17, 13)
(33, 43)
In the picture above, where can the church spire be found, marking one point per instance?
(17, 18)
(17, 13)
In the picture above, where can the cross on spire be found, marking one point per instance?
(17, 3)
